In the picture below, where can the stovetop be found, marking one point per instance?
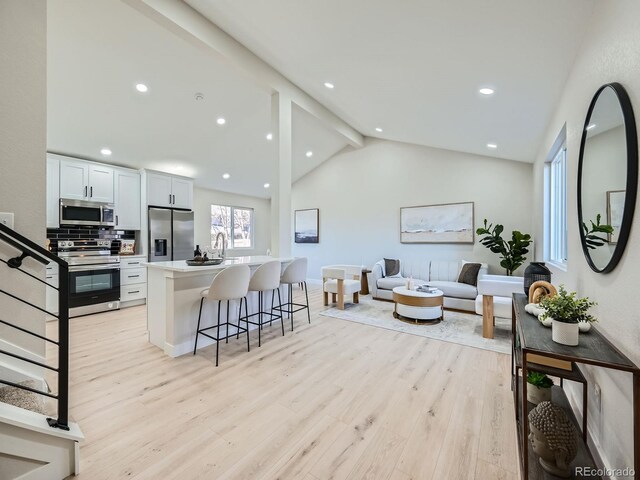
(87, 252)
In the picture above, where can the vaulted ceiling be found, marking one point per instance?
(412, 69)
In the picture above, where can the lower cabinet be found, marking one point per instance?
(133, 281)
(51, 298)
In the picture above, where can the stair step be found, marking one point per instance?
(26, 399)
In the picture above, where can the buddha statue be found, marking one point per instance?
(553, 438)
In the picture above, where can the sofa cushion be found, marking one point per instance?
(455, 289)
(389, 283)
(469, 274)
(392, 268)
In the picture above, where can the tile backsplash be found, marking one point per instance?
(82, 232)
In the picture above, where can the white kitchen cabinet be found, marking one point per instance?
(169, 191)
(74, 179)
(81, 180)
(51, 298)
(159, 190)
(133, 281)
(127, 199)
(53, 192)
(100, 183)
(182, 192)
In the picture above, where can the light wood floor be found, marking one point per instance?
(331, 400)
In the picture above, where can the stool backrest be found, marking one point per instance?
(295, 272)
(231, 283)
(266, 277)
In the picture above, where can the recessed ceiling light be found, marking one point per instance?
(266, 185)
(141, 87)
(593, 125)
(309, 153)
(269, 136)
(221, 121)
(226, 176)
(492, 145)
(329, 85)
(487, 91)
(105, 151)
(378, 129)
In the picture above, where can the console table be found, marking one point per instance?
(530, 337)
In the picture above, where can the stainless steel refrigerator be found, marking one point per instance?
(170, 235)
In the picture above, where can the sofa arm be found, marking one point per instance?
(500, 285)
(373, 277)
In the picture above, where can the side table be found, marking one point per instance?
(364, 281)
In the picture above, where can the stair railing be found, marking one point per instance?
(29, 249)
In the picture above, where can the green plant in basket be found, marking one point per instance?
(539, 380)
(567, 308)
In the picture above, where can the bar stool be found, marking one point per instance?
(295, 272)
(232, 283)
(265, 278)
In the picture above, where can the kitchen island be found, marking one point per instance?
(173, 301)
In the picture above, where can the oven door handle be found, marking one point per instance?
(85, 268)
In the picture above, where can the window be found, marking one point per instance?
(557, 223)
(235, 223)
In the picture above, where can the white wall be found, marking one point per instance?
(610, 52)
(23, 133)
(203, 199)
(360, 192)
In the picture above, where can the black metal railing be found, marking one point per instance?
(29, 249)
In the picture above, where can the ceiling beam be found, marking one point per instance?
(190, 25)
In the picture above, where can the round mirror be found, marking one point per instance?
(607, 177)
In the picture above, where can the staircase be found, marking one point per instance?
(37, 440)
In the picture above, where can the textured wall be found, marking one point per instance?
(360, 192)
(610, 53)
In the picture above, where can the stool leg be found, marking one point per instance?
(291, 303)
(239, 314)
(246, 311)
(306, 293)
(218, 333)
(259, 319)
(273, 293)
(195, 346)
(281, 316)
(226, 329)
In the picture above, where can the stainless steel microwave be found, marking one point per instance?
(80, 212)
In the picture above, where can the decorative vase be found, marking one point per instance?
(584, 327)
(536, 395)
(535, 272)
(565, 333)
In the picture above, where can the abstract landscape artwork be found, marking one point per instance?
(447, 223)
(306, 225)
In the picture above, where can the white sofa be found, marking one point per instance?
(439, 274)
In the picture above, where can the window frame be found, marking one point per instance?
(556, 204)
(231, 239)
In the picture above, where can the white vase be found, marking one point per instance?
(536, 395)
(584, 327)
(565, 333)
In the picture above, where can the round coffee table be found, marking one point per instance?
(418, 306)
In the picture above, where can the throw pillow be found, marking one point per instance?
(391, 267)
(469, 274)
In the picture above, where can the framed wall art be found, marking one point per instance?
(445, 223)
(306, 225)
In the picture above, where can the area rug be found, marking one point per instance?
(461, 328)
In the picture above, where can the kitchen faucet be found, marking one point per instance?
(224, 248)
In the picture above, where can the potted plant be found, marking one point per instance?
(539, 389)
(565, 311)
(511, 252)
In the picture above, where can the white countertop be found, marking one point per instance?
(181, 265)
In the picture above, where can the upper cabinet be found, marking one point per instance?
(127, 199)
(53, 192)
(80, 180)
(169, 191)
